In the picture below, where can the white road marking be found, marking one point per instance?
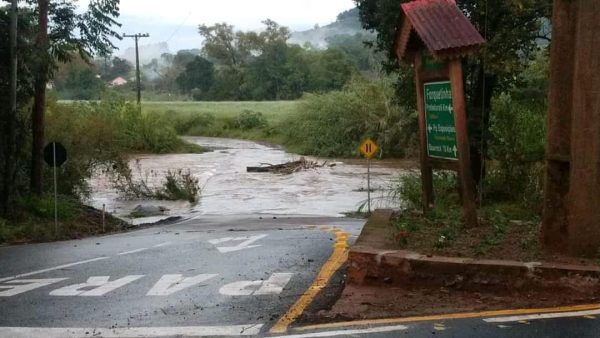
(51, 269)
(17, 286)
(347, 332)
(130, 332)
(162, 244)
(169, 284)
(132, 251)
(247, 240)
(101, 286)
(272, 286)
(542, 316)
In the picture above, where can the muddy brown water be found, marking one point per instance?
(227, 189)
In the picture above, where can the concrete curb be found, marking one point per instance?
(371, 262)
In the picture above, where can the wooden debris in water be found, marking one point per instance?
(287, 168)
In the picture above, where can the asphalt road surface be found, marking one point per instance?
(207, 277)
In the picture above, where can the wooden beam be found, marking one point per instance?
(462, 139)
(426, 170)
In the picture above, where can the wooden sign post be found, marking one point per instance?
(434, 36)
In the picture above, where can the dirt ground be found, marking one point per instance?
(376, 302)
(506, 240)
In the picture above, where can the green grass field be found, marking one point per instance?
(272, 110)
(221, 119)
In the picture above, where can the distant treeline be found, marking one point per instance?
(231, 66)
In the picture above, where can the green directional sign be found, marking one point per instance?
(439, 116)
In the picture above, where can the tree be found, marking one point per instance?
(197, 78)
(56, 31)
(119, 67)
(221, 44)
(78, 80)
(509, 43)
(85, 33)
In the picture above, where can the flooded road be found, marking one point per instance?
(227, 189)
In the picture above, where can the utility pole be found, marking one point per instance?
(11, 123)
(137, 62)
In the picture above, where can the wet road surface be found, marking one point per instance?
(212, 276)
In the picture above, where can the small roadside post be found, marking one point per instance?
(434, 36)
(55, 156)
(368, 149)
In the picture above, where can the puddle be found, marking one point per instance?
(229, 190)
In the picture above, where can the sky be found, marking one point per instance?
(177, 20)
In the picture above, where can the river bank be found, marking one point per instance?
(227, 189)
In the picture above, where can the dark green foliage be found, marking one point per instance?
(197, 78)
(118, 68)
(250, 119)
(494, 69)
(78, 80)
(335, 123)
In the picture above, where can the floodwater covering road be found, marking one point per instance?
(227, 189)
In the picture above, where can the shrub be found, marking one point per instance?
(334, 124)
(99, 135)
(43, 207)
(407, 189)
(517, 150)
(249, 119)
(177, 185)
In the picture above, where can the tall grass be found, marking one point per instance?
(335, 123)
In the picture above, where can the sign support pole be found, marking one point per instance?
(55, 191)
(369, 183)
(426, 170)
(467, 186)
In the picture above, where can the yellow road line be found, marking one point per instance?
(337, 259)
(494, 313)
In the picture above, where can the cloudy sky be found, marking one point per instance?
(176, 21)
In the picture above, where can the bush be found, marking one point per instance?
(407, 190)
(99, 135)
(183, 123)
(177, 185)
(43, 207)
(335, 123)
(517, 150)
(249, 119)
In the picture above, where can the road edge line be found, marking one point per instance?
(331, 266)
(460, 315)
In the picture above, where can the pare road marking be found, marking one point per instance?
(245, 243)
(130, 332)
(101, 286)
(169, 284)
(272, 286)
(64, 266)
(542, 316)
(131, 251)
(347, 333)
(17, 286)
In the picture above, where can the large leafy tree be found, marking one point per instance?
(62, 31)
(510, 28)
(51, 32)
(197, 78)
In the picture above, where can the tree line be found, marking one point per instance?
(231, 65)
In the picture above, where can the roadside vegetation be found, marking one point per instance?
(255, 85)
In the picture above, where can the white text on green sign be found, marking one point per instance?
(439, 117)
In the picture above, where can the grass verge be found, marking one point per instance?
(32, 221)
(507, 230)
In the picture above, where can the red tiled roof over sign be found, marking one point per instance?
(442, 27)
